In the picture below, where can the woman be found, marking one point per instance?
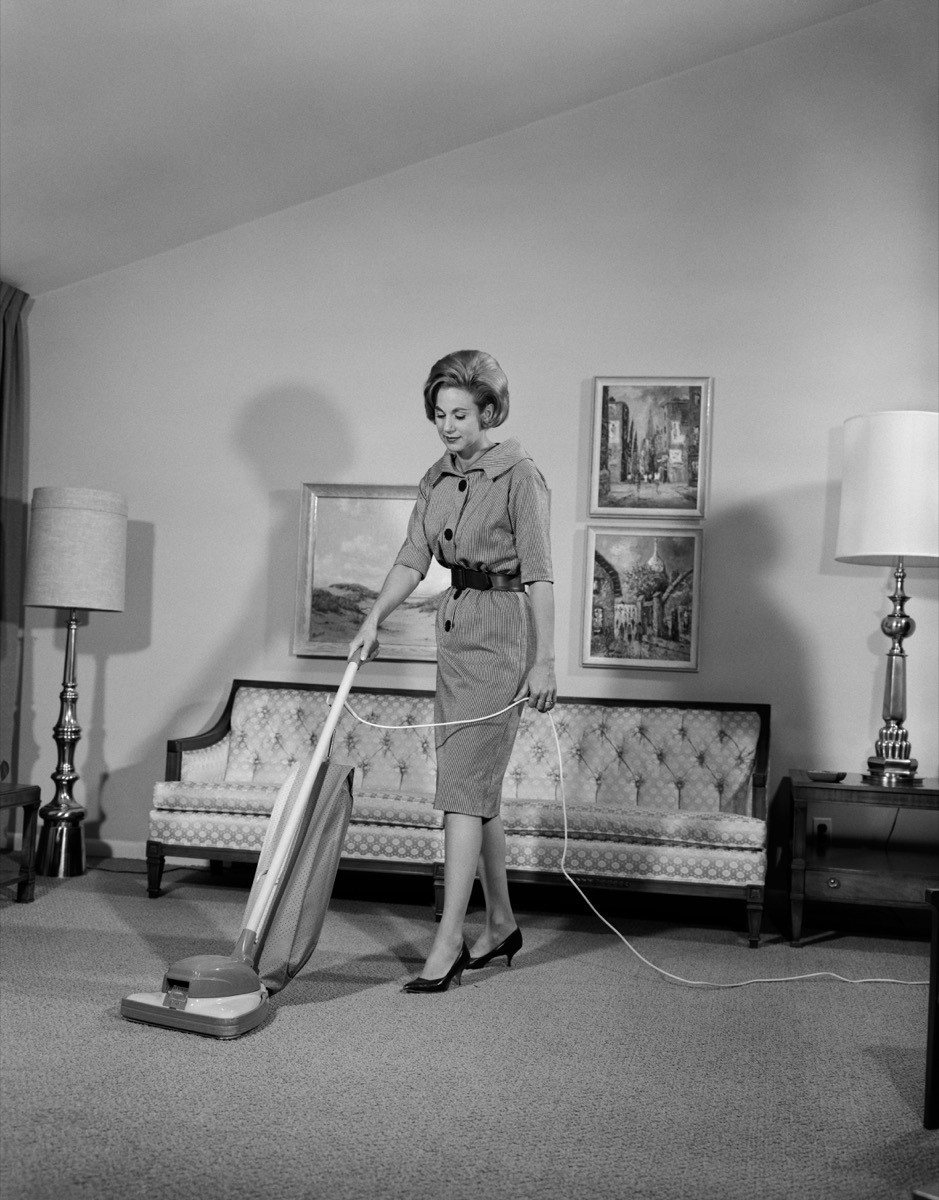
(482, 511)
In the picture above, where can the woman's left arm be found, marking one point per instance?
(541, 684)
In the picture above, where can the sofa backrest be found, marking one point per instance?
(635, 755)
(662, 757)
(272, 727)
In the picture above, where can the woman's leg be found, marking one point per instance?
(463, 838)
(500, 920)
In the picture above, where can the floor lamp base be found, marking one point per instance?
(61, 845)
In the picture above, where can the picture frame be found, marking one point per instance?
(642, 597)
(349, 537)
(650, 446)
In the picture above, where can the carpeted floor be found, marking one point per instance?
(578, 1073)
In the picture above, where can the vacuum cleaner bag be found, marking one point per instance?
(297, 920)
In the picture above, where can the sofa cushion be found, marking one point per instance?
(390, 808)
(209, 831)
(215, 797)
(393, 843)
(635, 825)
(623, 860)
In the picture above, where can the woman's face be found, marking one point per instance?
(458, 423)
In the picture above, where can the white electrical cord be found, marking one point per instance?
(695, 983)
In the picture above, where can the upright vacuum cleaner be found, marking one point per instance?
(226, 995)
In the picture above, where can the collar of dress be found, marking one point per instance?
(501, 457)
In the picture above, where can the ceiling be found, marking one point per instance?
(129, 127)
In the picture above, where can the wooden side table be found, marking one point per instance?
(25, 796)
(845, 872)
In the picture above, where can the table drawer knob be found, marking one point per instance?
(834, 882)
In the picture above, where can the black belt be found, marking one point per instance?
(483, 581)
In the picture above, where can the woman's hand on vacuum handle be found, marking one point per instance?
(365, 643)
(399, 583)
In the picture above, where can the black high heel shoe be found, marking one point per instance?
(420, 984)
(510, 947)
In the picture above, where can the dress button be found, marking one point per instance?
(448, 534)
(462, 485)
(446, 626)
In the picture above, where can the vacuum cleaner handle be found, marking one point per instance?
(255, 922)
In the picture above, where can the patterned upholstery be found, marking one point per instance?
(218, 797)
(209, 831)
(652, 828)
(623, 860)
(652, 792)
(207, 764)
(664, 759)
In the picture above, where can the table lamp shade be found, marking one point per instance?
(890, 490)
(77, 549)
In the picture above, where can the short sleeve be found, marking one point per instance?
(415, 552)
(530, 512)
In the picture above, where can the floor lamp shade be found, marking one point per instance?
(75, 559)
(77, 549)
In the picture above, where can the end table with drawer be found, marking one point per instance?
(858, 872)
(25, 796)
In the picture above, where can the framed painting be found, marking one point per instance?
(349, 536)
(650, 447)
(642, 597)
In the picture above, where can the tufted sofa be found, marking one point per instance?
(666, 797)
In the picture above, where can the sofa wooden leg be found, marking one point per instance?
(754, 914)
(438, 891)
(155, 864)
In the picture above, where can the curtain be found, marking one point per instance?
(14, 509)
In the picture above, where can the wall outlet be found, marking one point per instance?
(821, 827)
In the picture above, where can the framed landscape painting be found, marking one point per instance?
(349, 536)
(650, 447)
(642, 597)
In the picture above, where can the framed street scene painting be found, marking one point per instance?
(349, 536)
(642, 597)
(650, 447)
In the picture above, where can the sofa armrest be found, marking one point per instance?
(216, 739)
(204, 764)
(758, 788)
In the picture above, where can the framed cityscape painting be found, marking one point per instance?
(642, 597)
(349, 536)
(650, 447)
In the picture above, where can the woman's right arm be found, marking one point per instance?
(399, 584)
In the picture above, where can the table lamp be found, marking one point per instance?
(890, 517)
(75, 560)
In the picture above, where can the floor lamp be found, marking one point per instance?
(75, 560)
(890, 517)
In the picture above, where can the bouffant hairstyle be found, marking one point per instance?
(475, 372)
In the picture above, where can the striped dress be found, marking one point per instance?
(492, 518)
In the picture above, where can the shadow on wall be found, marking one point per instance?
(751, 650)
(103, 637)
(289, 436)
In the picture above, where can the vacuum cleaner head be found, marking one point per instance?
(214, 994)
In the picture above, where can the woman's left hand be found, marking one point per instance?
(541, 687)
